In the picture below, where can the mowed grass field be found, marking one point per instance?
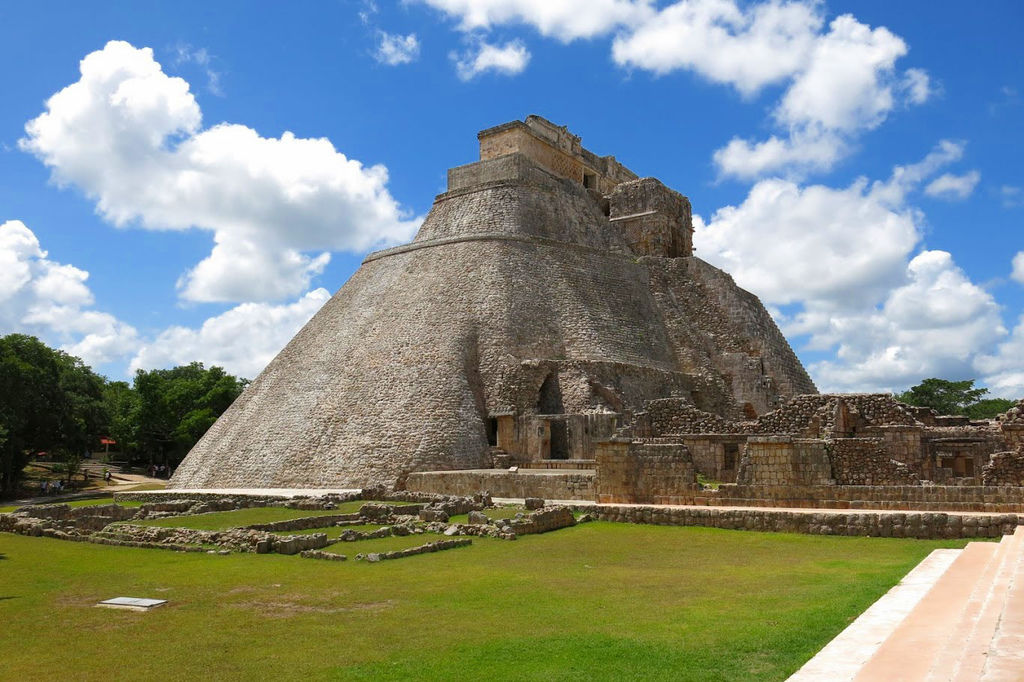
(599, 601)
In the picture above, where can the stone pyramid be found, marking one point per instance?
(549, 293)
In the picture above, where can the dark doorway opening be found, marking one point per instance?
(559, 440)
(731, 450)
(492, 431)
(550, 399)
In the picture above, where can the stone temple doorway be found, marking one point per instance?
(559, 439)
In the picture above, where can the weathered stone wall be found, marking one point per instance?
(833, 415)
(1013, 433)
(644, 471)
(716, 456)
(1005, 468)
(909, 497)
(896, 525)
(552, 485)
(864, 461)
(784, 461)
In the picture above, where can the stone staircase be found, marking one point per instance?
(967, 627)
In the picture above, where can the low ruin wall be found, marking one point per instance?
(644, 472)
(1005, 468)
(907, 497)
(781, 460)
(933, 525)
(550, 485)
(864, 461)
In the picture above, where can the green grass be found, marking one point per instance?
(597, 601)
(246, 517)
(77, 503)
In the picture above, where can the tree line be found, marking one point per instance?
(955, 397)
(52, 402)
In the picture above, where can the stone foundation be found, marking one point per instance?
(548, 484)
(928, 526)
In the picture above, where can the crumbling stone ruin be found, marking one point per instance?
(549, 294)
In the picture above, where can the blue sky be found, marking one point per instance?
(205, 181)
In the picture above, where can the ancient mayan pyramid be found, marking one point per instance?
(549, 293)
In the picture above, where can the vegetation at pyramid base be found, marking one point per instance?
(955, 397)
(52, 402)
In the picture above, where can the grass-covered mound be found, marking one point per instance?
(597, 601)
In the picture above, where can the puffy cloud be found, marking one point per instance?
(789, 243)
(1002, 370)
(508, 59)
(565, 20)
(846, 83)
(51, 300)
(933, 325)
(242, 340)
(949, 186)
(130, 137)
(1018, 267)
(747, 48)
(395, 49)
(843, 260)
(800, 152)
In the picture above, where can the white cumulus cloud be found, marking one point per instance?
(508, 59)
(565, 20)
(747, 48)
(952, 187)
(395, 49)
(1002, 370)
(51, 300)
(131, 138)
(242, 340)
(846, 263)
(1018, 267)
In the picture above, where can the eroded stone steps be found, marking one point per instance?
(973, 639)
(908, 654)
(1005, 658)
(976, 616)
(965, 625)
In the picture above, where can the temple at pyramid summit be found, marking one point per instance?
(550, 316)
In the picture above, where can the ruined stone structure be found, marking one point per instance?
(549, 297)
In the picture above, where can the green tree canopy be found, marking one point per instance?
(49, 401)
(954, 397)
(176, 406)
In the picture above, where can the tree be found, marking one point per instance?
(122, 403)
(953, 397)
(85, 417)
(32, 404)
(989, 408)
(176, 407)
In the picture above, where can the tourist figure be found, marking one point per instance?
(44, 487)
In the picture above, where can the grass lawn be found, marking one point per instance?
(77, 503)
(247, 517)
(597, 601)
